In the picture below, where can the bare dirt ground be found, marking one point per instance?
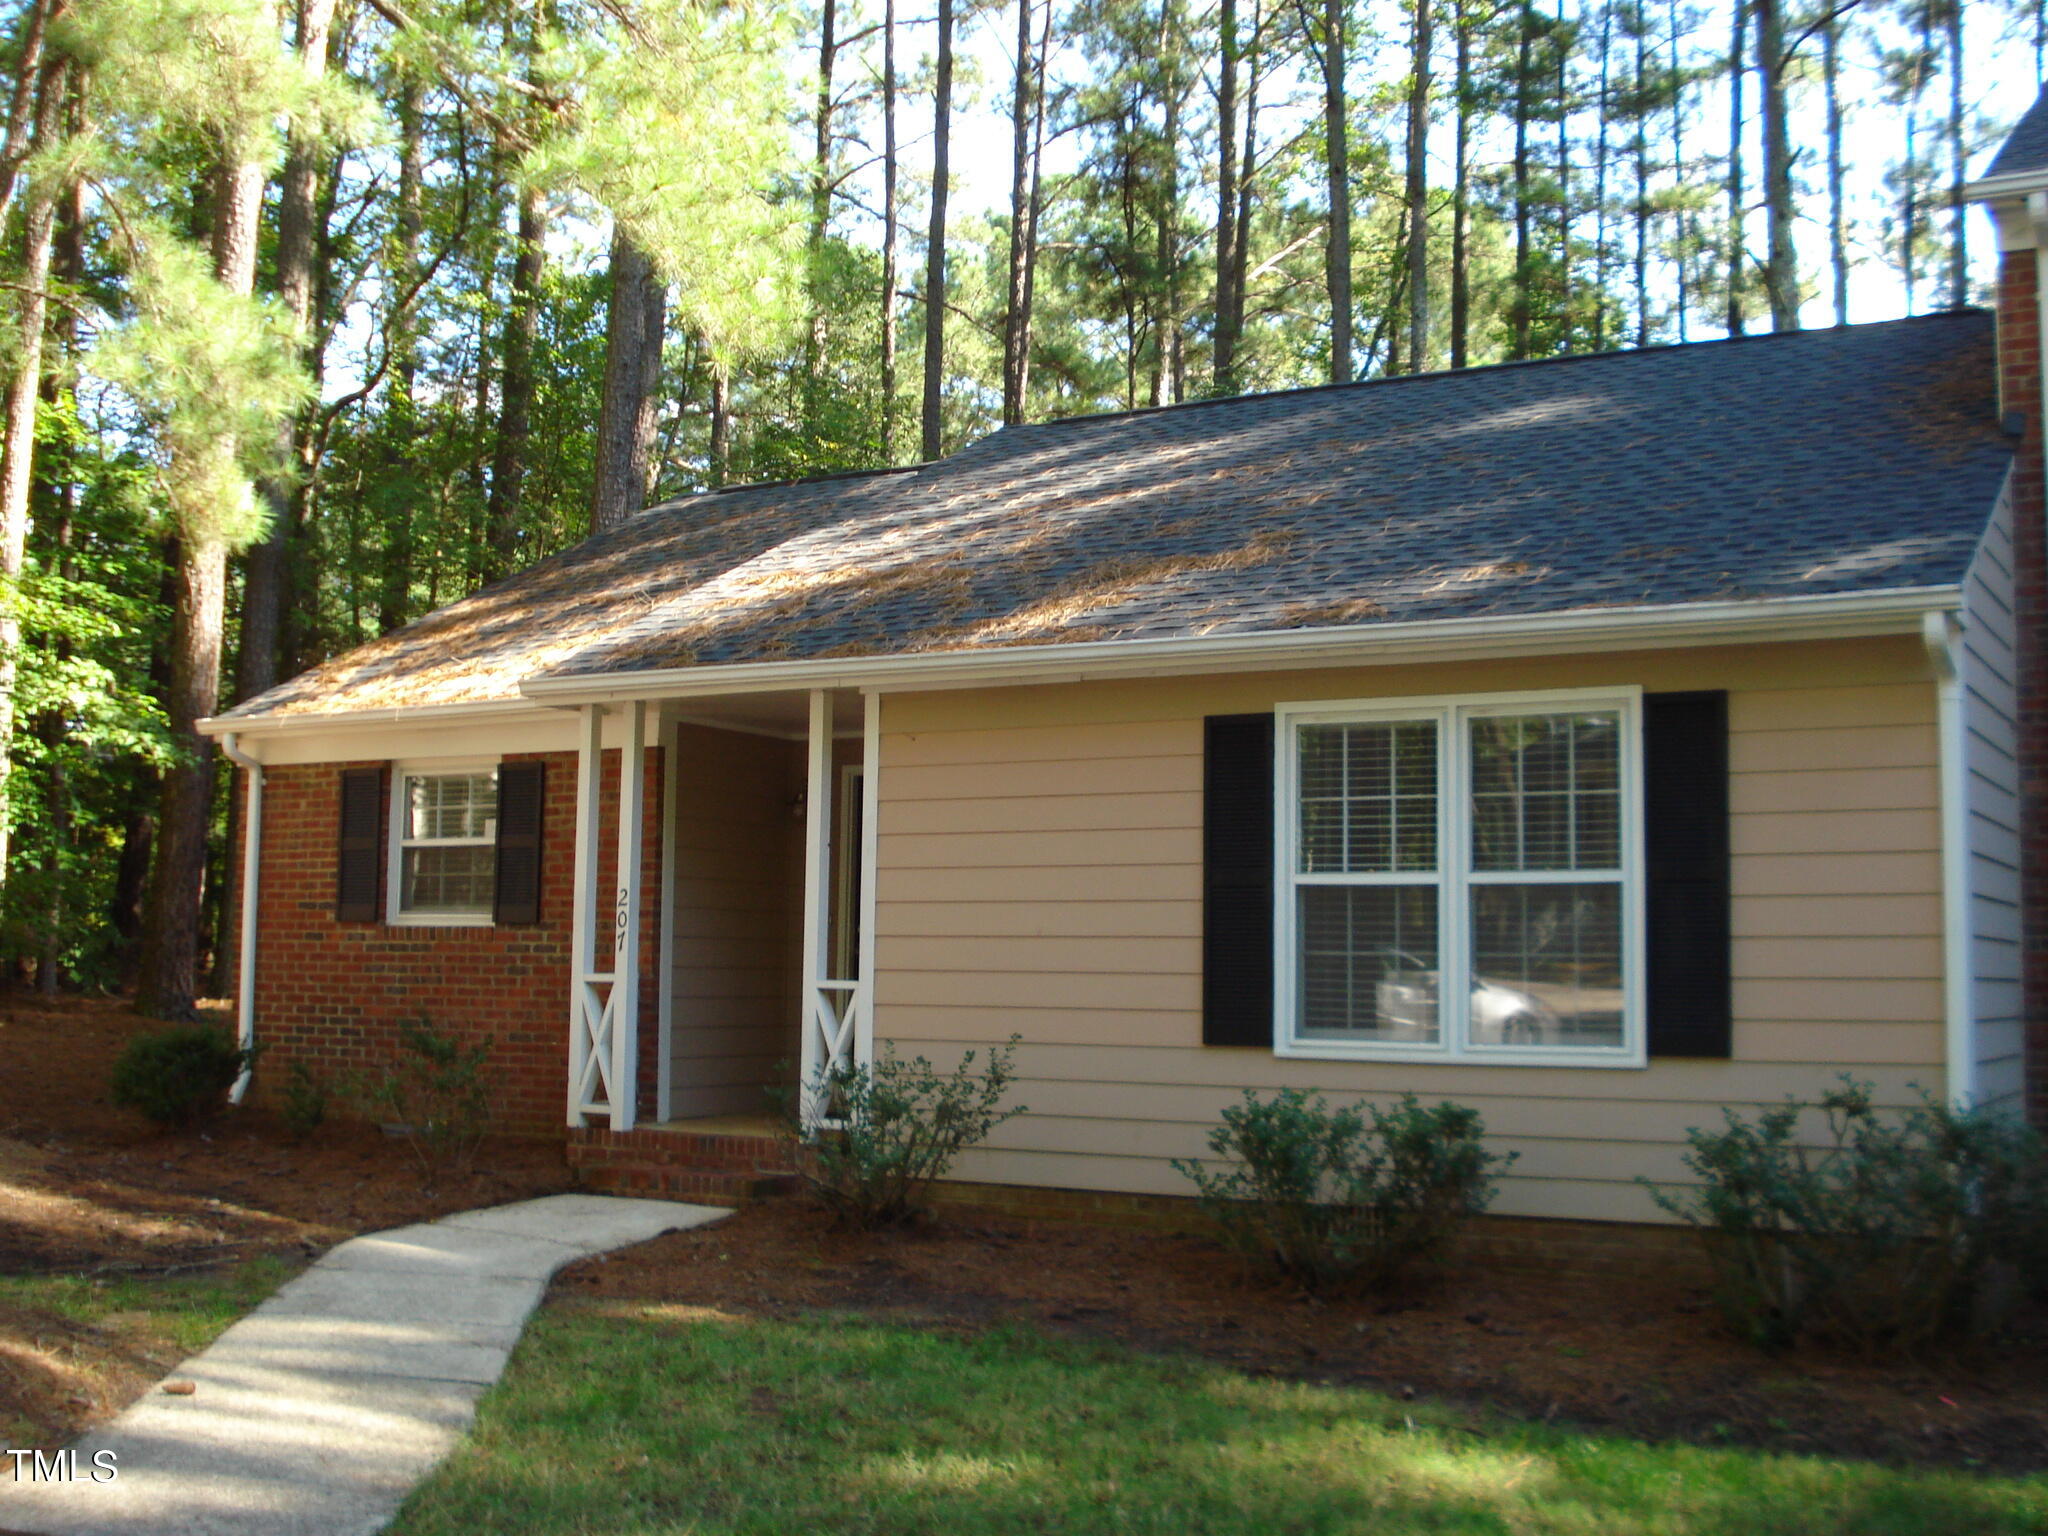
(87, 1189)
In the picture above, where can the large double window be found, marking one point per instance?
(1461, 879)
(444, 830)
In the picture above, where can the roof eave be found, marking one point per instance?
(1988, 189)
(1748, 621)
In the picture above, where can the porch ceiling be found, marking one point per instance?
(785, 713)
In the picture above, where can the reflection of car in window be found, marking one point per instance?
(1501, 1015)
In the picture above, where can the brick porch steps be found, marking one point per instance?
(674, 1162)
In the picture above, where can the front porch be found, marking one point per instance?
(737, 967)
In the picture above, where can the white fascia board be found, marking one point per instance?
(427, 731)
(482, 711)
(2013, 184)
(1826, 617)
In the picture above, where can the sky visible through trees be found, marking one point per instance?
(319, 314)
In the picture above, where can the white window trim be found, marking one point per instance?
(1454, 819)
(394, 851)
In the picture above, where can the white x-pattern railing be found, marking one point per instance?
(604, 1006)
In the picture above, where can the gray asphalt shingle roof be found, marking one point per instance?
(2026, 147)
(1850, 460)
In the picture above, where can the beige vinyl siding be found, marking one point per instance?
(1991, 762)
(1039, 871)
(738, 853)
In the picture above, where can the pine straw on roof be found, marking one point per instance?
(1055, 616)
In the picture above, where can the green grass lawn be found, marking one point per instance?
(638, 1419)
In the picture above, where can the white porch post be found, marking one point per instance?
(664, 1047)
(870, 799)
(604, 1005)
(582, 1064)
(819, 1023)
(624, 1003)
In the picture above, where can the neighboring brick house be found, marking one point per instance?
(1596, 741)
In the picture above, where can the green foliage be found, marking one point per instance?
(681, 139)
(213, 372)
(876, 1136)
(437, 1093)
(1339, 1199)
(1880, 1237)
(178, 1077)
(306, 1096)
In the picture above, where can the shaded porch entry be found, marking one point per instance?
(763, 911)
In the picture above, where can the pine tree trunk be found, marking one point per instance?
(516, 385)
(394, 592)
(1169, 380)
(1738, 52)
(636, 321)
(1838, 241)
(1640, 148)
(1564, 183)
(932, 425)
(1684, 229)
(171, 921)
(1225, 344)
(889, 276)
(1034, 208)
(1781, 267)
(1461, 196)
(821, 206)
(1959, 211)
(1418, 185)
(1602, 110)
(1247, 169)
(24, 391)
(28, 73)
(721, 424)
(1337, 181)
(1523, 308)
(264, 565)
(1016, 322)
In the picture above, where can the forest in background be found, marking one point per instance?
(318, 314)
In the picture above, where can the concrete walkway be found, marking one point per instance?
(321, 1410)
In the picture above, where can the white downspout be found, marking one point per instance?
(1940, 634)
(252, 863)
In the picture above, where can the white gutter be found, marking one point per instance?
(1828, 616)
(252, 862)
(402, 714)
(1942, 636)
(2013, 184)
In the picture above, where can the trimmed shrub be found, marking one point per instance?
(180, 1076)
(877, 1136)
(436, 1094)
(305, 1101)
(1882, 1238)
(1342, 1199)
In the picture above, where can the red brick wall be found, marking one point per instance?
(332, 994)
(2019, 365)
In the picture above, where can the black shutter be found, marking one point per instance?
(1685, 835)
(361, 858)
(522, 799)
(1237, 880)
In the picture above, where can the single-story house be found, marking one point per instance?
(1595, 741)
